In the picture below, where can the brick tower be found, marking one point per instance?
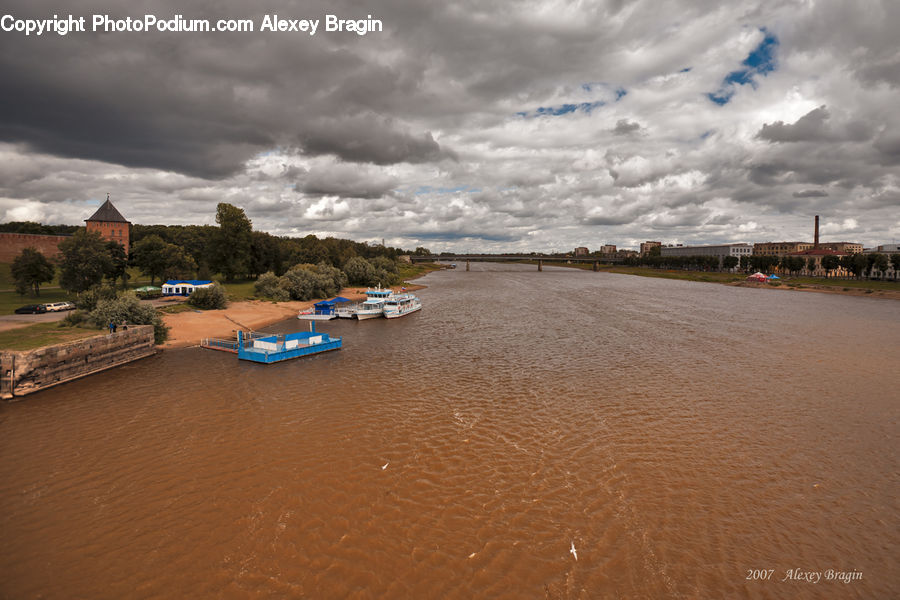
(110, 223)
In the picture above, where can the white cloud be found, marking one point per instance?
(415, 135)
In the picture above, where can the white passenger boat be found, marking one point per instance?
(400, 305)
(373, 307)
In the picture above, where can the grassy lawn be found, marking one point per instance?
(863, 284)
(677, 274)
(239, 291)
(854, 284)
(177, 308)
(411, 271)
(42, 334)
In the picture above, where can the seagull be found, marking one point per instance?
(384, 466)
(572, 550)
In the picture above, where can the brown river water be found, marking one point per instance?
(562, 434)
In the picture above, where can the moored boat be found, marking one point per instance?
(276, 348)
(400, 305)
(373, 307)
(324, 310)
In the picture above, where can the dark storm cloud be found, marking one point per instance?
(203, 104)
(349, 181)
(368, 138)
(810, 127)
(624, 127)
(888, 145)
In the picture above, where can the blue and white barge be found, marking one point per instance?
(276, 348)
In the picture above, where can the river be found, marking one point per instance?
(555, 434)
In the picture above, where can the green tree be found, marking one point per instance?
(178, 264)
(730, 262)
(880, 263)
(830, 262)
(811, 265)
(84, 261)
(149, 255)
(305, 282)
(130, 309)
(29, 270)
(895, 263)
(230, 246)
(383, 262)
(118, 263)
(265, 253)
(359, 271)
(855, 264)
(745, 262)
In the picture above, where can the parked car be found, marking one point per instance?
(31, 309)
(58, 306)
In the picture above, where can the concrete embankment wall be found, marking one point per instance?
(24, 372)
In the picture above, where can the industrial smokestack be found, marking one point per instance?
(816, 240)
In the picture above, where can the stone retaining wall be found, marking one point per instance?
(24, 372)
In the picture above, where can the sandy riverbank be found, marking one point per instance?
(188, 328)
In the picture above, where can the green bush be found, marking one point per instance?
(208, 298)
(268, 286)
(74, 318)
(305, 282)
(88, 299)
(383, 262)
(128, 308)
(359, 271)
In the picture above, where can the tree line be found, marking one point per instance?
(231, 248)
(858, 265)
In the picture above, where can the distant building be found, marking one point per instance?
(183, 287)
(845, 247)
(780, 248)
(582, 251)
(608, 249)
(721, 250)
(647, 246)
(110, 224)
(818, 254)
(795, 248)
(888, 248)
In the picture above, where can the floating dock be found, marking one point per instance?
(276, 348)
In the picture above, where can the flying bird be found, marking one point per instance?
(573, 551)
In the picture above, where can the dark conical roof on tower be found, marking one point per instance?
(108, 213)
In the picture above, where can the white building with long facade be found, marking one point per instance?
(721, 250)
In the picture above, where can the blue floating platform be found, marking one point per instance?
(276, 348)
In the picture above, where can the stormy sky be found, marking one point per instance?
(467, 126)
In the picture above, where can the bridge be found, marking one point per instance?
(540, 259)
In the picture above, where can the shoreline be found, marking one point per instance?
(822, 289)
(786, 284)
(187, 329)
